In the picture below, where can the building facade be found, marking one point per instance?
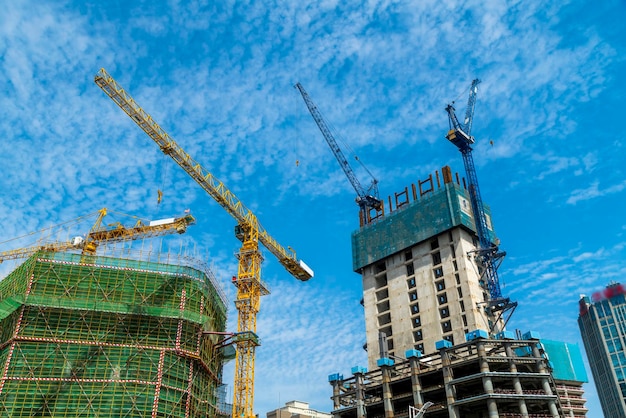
(602, 323)
(419, 284)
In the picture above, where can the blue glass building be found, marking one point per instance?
(602, 323)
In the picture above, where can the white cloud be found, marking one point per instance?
(594, 191)
(218, 78)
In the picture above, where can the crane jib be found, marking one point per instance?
(248, 279)
(216, 189)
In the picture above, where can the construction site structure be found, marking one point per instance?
(98, 336)
(249, 231)
(487, 254)
(105, 234)
(368, 200)
(419, 285)
(505, 377)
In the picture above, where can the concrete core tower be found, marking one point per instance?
(420, 282)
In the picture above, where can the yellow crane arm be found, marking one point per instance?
(153, 229)
(28, 251)
(214, 187)
(100, 234)
(139, 231)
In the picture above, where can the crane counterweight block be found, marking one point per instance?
(460, 139)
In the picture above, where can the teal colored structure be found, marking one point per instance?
(433, 213)
(566, 361)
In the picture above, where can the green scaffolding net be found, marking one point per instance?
(86, 336)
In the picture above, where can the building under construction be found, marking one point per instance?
(432, 334)
(419, 285)
(503, 377)
(110, 337)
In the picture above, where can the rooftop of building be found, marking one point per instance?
(414, 215)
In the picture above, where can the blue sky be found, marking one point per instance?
(219, 76)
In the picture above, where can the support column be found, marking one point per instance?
(517, 385)
(336, 380)
(387, 395)
(447, 378)
(492, 406)
(416, 386)
(360, 404)
(545, 382)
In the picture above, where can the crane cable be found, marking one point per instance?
(163, 179)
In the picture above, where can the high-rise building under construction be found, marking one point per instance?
(109, 337)
(434, 341)
(419, 285)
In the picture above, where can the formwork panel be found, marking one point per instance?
(93, 336)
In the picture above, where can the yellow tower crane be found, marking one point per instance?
(248, 230)
(100, 234)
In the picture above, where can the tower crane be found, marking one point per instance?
(100, 234)
(248, 230)
(488, 255)
(367, 199)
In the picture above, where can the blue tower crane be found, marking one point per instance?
(367, 199)
(488, 255)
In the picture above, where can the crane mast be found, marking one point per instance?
(367, 199)
(488, 255)
(249, 231)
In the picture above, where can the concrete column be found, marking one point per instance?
(336, 393)
(447, 378)
(416, 386)
(360, 404)
(492, 406)
(387, 395)
(517, 385)
(545, 382)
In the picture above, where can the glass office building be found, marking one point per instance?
(602, 323)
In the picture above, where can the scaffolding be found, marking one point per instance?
(109, 337)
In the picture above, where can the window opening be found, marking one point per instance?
(410, 270)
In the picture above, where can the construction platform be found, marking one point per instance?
(483, 377)
(109, 337)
